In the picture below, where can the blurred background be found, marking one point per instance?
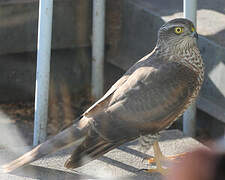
(131, 32)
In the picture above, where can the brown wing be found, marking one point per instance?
(103, 102)
(97, 106)
(150, 99)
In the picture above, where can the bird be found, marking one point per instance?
(147, 99)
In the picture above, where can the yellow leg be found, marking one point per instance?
(158, 158)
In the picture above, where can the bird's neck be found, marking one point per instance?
(189, 57)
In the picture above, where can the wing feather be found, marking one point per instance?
(147, 102)
(103, 102)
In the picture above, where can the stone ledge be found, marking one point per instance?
(123, 162)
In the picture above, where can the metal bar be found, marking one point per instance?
(189, 118)
(98, 47)
(190, 10)
(43, 70)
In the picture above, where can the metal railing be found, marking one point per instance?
(43, 70)
(189, 118)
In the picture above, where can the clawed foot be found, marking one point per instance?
(159, 170)
(163, 158)
(159, 158)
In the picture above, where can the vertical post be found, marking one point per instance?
(189, 118)
(43, 70)
(98, 44)
(190, 10)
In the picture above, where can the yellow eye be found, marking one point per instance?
(178, 30)
(193, 29)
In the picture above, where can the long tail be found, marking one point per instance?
(70, 136)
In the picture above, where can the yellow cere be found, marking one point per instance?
(178, 30)
(193, 29)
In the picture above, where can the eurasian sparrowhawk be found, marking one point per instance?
(148, 98)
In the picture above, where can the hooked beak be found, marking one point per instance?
(194, 34)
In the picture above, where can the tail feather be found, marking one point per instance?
(87, 156)
(70, 136)
(91, 148)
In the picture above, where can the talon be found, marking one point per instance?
(167, 158)
(139, 170)
(177, 156)
(148, 161)
(151, 160)
(160, 170)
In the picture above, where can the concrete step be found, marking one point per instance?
(123, 162)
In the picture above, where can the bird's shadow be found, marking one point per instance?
(164, 136)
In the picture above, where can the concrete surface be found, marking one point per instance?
(123, 162)
(71, 25)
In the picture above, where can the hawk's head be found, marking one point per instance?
(177, 33)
